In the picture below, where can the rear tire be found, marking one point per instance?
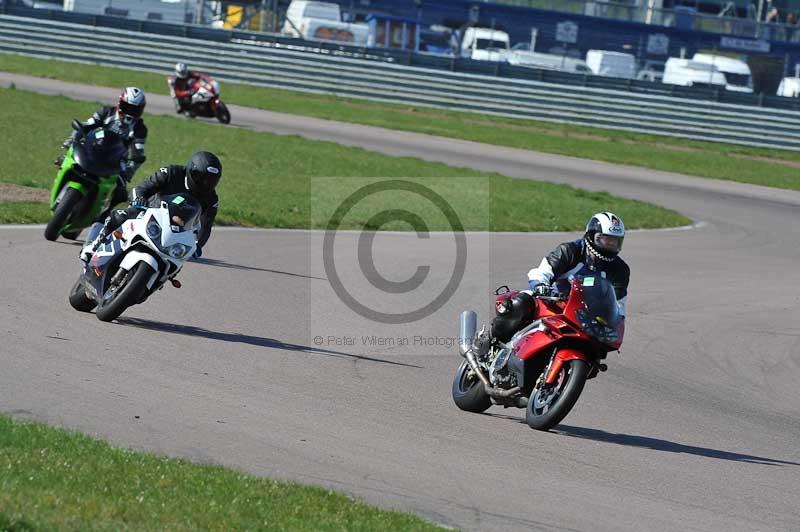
(223, 115)
(78, 298)
(63, 211)
(134, 287)
(568, 393)
(468, 392)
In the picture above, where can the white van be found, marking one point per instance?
(687, 72)
(485, 44)
(322, 21)
(737, 73)
(521, 55)
(789, 87)
(612, 64)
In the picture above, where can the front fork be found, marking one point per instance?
(557, 360)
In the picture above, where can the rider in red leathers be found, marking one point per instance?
(183, 86)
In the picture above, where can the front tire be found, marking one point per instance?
(223, 115)
(547, 407)
(78, 298)
(62, 213)
(128, 294)
(468, 392)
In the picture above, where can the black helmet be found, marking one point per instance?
(604, 235)
(203, 172)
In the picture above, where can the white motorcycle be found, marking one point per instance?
(138, 258)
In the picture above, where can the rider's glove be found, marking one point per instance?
(542, 290)
(67, 143)
(139, 201)
(126, 171)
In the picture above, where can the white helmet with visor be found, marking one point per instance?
(604, 235)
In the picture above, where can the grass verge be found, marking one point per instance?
(775, 168)
(267, 179)
(54, 479)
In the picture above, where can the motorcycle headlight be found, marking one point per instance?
(178, 251)
(154, 230)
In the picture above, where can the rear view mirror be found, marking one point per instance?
(76, 125)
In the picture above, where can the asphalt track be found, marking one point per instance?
(694, 426)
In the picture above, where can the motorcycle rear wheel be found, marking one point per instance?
(223, 115)
(127, 295)
(468, 392)
(547, 407)
(63, 210)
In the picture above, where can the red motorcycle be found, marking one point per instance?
(205, 100)
(543, 366)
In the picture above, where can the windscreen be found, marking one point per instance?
(600, 315)
(742, 80)
(489, 44)
(101, 152)
(184, 212)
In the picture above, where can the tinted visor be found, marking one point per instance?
(608, 242)
(203, 181)
(131, 110)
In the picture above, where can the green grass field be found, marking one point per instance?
(267, 178)
(775, 168)
(51, 479)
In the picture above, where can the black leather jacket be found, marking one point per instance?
(573, 258)
(134, 136)
(172, 180)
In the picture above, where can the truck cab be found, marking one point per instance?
(485, 44)
(687, 72)
(322, 21)
(611, 64)
(737, 74)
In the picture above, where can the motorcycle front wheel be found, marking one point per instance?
(223, 115)
(117, 299)
(468, 392)
(62, 212)
(548, 405)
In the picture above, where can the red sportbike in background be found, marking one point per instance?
(203, 99)
(544, 366)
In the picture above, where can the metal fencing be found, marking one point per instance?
(342, 73)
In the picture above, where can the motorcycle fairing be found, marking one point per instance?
(558, 331)
(562, 356)
(95, 189)
(96, 270)
(66, 166)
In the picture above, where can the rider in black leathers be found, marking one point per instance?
(125, 120)
(199, 178)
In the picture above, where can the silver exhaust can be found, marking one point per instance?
(468, 328)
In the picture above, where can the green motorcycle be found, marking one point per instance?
(88, 175)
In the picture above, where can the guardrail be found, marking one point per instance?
(344, 74)
(430, 61)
